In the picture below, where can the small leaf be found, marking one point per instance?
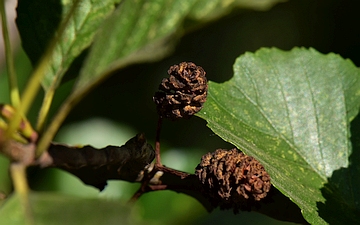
(54, 209)
(291, 111)
(38, 22)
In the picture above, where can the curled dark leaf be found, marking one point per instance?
(95, 166)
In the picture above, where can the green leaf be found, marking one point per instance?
(5, 181)
(145, 30)
(204, 9)
(38, 22)
(55, 209)
(291, 111)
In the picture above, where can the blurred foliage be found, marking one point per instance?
(61, 209)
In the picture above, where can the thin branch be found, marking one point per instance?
(96, 166)
(157, 143)
(18, 175)
(132, 162)
(33, 85)
(44, 109)
(49, 134)
(14, 89)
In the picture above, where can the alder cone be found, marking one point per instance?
(183, 93)
(232, 179)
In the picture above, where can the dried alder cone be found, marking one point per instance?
(232, 179)
(183, 93)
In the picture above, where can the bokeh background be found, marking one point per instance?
(122, 105)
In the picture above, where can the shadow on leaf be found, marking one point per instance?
(46, 15)
(342, 204)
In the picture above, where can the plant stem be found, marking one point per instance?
(18, 175)
(33, 85)
(157, 144)
(61, 114)
(47, 136)
(44, 110)
(14, 89)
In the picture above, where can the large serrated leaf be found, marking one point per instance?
(291, 110)
(145, 30)
(38, 22)
(137, 24)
